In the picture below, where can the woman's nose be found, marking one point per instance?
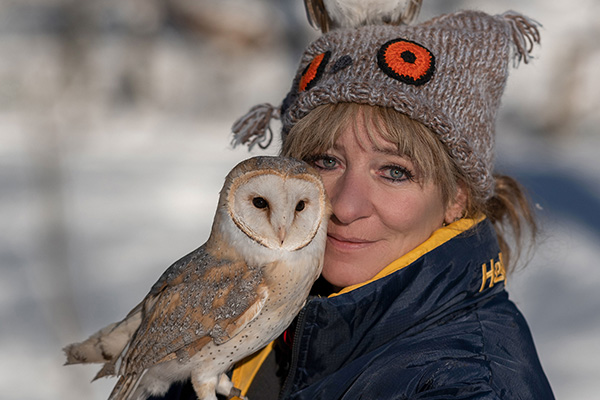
(350, 198)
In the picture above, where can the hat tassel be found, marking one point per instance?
(525, 34)
(254, 127)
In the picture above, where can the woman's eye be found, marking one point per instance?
(325, 162)
(397, 174)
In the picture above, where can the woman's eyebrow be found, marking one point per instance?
(388, 151)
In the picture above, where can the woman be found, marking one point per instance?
(399, 120)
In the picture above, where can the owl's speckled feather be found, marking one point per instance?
(205, 297)
(228, 298)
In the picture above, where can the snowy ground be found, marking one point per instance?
(97, 198)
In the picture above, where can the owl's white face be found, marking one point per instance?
(278, 211)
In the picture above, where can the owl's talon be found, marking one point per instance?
(234, 394)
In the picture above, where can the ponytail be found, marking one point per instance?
(509, 211)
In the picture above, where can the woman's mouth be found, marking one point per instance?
(347, 243)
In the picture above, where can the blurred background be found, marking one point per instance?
(115, 138)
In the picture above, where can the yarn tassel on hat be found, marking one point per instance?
(525, 34)
(254, 127)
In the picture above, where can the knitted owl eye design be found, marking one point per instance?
(406, 61)
(313, 71)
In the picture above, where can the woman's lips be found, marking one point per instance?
(344, 243)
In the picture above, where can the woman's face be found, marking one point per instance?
(381, 211)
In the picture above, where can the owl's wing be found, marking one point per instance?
(198, 299)
(317, 14)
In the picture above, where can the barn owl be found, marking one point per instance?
(228, 298)
(331, 14)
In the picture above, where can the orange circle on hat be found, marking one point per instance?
(313, 71)
(406, 61)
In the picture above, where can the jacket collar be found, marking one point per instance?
(438, 238)
(446, 274)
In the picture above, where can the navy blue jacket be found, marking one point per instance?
(441, 327)
(437, 325)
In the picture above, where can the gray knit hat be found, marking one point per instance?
(447, 73)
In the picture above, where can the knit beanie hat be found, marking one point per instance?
(448, 73)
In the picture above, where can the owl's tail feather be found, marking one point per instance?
(106, 345)
(125, 387)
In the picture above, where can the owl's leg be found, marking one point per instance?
(205, 387)
(226, 388)
(152, 383)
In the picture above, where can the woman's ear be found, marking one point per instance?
(457, 207)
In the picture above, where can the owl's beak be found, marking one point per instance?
(281, 232)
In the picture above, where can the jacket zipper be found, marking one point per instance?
(295, 354)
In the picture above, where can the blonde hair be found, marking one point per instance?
(507, 208)
(413, 139)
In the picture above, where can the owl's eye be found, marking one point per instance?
(300, 205)
(259, 202)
